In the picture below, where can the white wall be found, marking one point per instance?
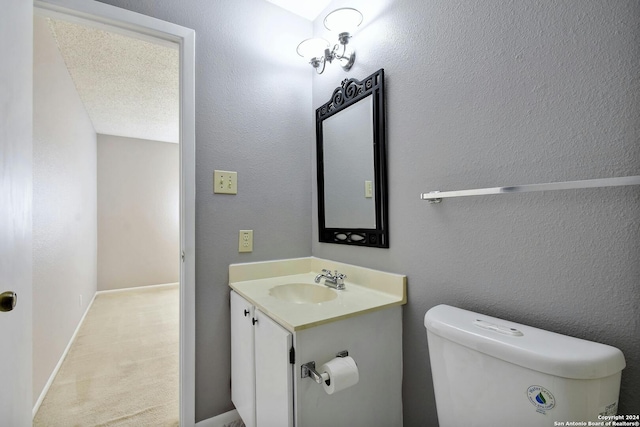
(138, 212)
(490, 93)
(64, 207)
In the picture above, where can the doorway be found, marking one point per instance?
(98, 15)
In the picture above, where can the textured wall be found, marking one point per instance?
(478, 94)
(253, 116)
(138, 212)
(64, 206)
(488, 93)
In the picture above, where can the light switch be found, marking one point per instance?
(245, 241)
(368, 189)
(225, 182)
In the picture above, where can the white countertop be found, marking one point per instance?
(379, 290)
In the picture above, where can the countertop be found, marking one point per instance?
(355, 300)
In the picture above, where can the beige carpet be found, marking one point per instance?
(122, 369)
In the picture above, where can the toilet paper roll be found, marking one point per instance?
(343, 373)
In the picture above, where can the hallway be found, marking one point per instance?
(122, 368)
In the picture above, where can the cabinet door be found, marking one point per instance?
(274, 380)
(243, 384)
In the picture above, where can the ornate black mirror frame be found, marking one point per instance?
(350, 92)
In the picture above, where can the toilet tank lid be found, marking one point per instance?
(526, 346)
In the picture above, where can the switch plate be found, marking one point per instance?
(245, 241)
(368, 189)
(225, 182)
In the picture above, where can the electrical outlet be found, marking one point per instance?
(225, 182)
(245, 241)
(80, 300)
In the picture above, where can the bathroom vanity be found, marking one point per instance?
(281, 319)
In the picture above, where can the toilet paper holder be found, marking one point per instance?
(308, 370)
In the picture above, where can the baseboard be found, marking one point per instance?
(46, 387)
(136, 288)
(228, 419)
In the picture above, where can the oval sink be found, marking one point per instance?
(303, 293)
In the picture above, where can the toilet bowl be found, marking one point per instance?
(489, 372)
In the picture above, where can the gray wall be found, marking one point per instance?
(64, 206)
(479, 94)
(138, 212)
(489, 93)
(253, 103)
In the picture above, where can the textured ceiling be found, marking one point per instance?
(129, 87)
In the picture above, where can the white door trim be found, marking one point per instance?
(131, 23)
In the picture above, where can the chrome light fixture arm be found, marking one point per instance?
(345, 58)
(317, 62)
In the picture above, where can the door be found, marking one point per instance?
(243, 383)
(274, 373)
(15, 209)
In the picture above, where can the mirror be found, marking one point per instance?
(351, 156)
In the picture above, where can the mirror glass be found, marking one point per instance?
(351, 155)
(348, 168)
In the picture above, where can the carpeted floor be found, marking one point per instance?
(122, 369)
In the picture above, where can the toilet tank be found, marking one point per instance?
(491, 372)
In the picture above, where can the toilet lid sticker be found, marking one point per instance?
(541, 398)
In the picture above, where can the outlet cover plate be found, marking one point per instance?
(245, 241)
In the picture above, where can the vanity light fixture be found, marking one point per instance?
(316, 50)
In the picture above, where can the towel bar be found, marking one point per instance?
(437, 196)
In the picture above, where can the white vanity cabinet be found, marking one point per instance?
(279, 323)
(261, 369)
(266, 381)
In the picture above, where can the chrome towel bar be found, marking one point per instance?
(437, 196)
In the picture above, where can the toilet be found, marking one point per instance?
(489, 372)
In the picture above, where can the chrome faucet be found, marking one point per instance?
(335, 280)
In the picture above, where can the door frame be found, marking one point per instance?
(130, 23)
